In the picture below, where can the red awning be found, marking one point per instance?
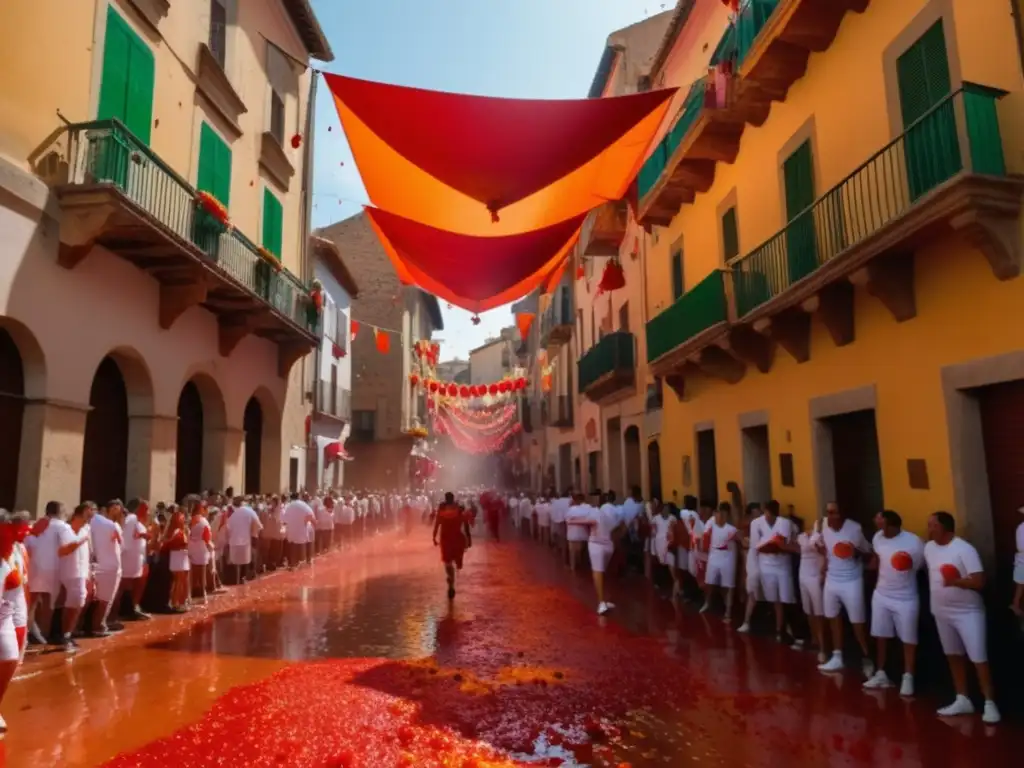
(447, 160)
(476, 273)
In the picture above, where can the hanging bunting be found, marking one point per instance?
(354, 329)
(613, 278)
(382, 340)
(523, 322)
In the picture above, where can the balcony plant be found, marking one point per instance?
(210, 222)
(270, 259)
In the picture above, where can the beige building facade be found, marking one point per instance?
(151, 338)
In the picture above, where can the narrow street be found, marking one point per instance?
(360, 661)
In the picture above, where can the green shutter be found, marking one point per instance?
(923, 76)
(677, 272)
(798, 172)
(801, 238)
(273, 223)
(214, 165)
(127, 84)
(141, 75)
(730, 234)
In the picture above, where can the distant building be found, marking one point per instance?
(454, 370)
(495, 358)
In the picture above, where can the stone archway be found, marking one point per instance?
(252, 423)
(105, 447)
(12, 414)
(263, 414)
(23, 382)
(201, 456)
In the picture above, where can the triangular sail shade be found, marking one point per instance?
(450, 160)
(476, 273)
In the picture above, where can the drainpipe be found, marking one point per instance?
(308, 379)
(1018, 30)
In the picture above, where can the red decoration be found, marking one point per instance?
(214, 207)
(843, 550)
(463, 391)
(902, 561)
(432, 386)
(337, 351)
(523, 322)
(354, 329)
(414, 379)
(503, 387)
(492, 389)
(580, 272)
(949, 573)
(613, 278)
(296, 141)
(453, 390)
(383, 341)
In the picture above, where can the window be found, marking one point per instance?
(624, 317)
(334, 388)
(276, 116)
(214, 165)
(730, 235)
(364, 425)
(677, 269)
(126, 87)
(273, 223)
(219, 31)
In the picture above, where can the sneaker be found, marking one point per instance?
(140, 615)
(822, 658)
(705, 608)
(3, 725)
(609, 604)
(744, 628)
(602, 608)
(835, 664)
(878, 680)
(868, 667)
(70, 646)
(798, 644)
(101, 633)
(115, 626)
(961, 706)
(907, 685)
(991, 713)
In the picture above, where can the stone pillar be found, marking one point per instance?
(232, 467)
(152, 456)
(52, 441)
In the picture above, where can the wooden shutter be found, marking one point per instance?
(798, 172)
(730, 235)
(272, 223)
(214, 165)
(222, 172)
(677, 271)
(923, 76)
(116, 57)
(141, 82)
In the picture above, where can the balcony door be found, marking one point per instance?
(801, 238)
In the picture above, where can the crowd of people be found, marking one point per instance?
(717, 556)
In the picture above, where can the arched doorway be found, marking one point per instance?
(654, 469)
(105, 452)
(12, 412)
(188, 477)
(631, 446)
(252, 424)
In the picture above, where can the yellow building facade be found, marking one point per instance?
(834, 260)
(149, 343)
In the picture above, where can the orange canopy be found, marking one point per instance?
(451, 161)
(473, 272)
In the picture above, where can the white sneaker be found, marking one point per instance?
(798, 645)
(878, 680)
(991, 713)
(609, 606)
(602, 608)
(835, 664)
(744, 628)
(961, 706)
(822, 658)
(3, 723)
(705, 608)
(869, 668)
(907, 685)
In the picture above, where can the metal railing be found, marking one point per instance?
(932, 150)
(615, 352)
(105, 152)
(333, 401)
(559, 312)
(700, 308)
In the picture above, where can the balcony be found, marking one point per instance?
(608, 369)
(607, 230)
(768, 48)
(119, 194)
(557, 321)
(562, 411)
(334, 402)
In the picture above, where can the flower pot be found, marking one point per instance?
(206, 232)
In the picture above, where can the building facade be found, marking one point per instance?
(494, 359)
(331, 394)
(383, 404)
(454, 370)
(154, 295)
(835, 246)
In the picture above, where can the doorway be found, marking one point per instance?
(105, 449)
(12, 412)
(577, 475)
(252, 423)
(631, 447)
(614, 456)
(593, 470)
(654, 469)
(564, 466)
(757, 464)
(188, 477)
(707, 466)
(293, 474)
(856, 466)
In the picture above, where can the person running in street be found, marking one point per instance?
(453, 524)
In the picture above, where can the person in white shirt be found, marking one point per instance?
(752, 577)
(513, 510)
(73, 538)
(845, 547)
(526, 516)
(721, 550)
(44, 586)
(955, 579)
(107, 540)
(811, 576)
(544, 521)
(295, 517)
(346, 517)
(200, 549)
(603, 524)
(559, 509)
(576, 534)
(1018, 572)
(325, 524)
(135, 536)
(632, 512)
(699, 526)
(243, 526)
(895, 605)
(12, 594)
(774, 563)
(684, 536)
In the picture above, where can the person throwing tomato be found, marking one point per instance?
(453, 524)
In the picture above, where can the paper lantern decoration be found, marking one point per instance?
(464, 391)
(503, 387)
(414, 379)
(296, 141)
(901, 561)
(949, 572)
(843, 550)
(493, 389)
(382, 340)
(580, 272)
(523, 322)
(453, 390)
(432, 386)
(613, 278)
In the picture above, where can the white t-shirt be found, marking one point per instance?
(324, 517)
(758, 528)
(697, 528)
(44, 547)
(952, 600)
(544, 514)
(851, 568)
(559, 509)
(133, 545)
(661, 525)
(605, 520)
(346, 514)
(295, 516)
(576, 518)
(1018, 559)
(631, 509)
(76, 564)
(775, 561)
(899, 585)
(241, 524)
(723, 541)
(199, 537)
(811, 559)
(525, 509)
(107, 541)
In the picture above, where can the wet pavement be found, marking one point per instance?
(360, 662)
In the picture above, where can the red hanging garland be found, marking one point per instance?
(613, 278)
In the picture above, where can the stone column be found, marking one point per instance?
(52, 441)
(152, 456)
(231, 468)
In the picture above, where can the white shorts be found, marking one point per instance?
(179, 561)
(74, 592)
(844, 594)
(44, 582)
(753, 580)
(894, 617)
(578, 533)
(600, 554)
(681, 559)
(1018, 574)
(240, 554)
(299, 540)
(198, 554)
(106, 585)
(962, 633)
(132, 565)
(778, 586)
(9, 650)
(695, 559)
(721, 572)
(811, 595)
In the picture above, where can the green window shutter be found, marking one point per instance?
(798, 172)
(730, 234)
(922, 73)
(214, 165)
(677, 272)
(273, 223)
(141, 82)
(116, 57)
(222, 172)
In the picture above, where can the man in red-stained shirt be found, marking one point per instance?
(453, 523)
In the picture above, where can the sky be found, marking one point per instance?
(546, 49)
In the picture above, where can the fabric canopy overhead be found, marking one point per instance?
(473, 272)
(449, 160)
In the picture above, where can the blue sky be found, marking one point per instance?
(513, 48)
